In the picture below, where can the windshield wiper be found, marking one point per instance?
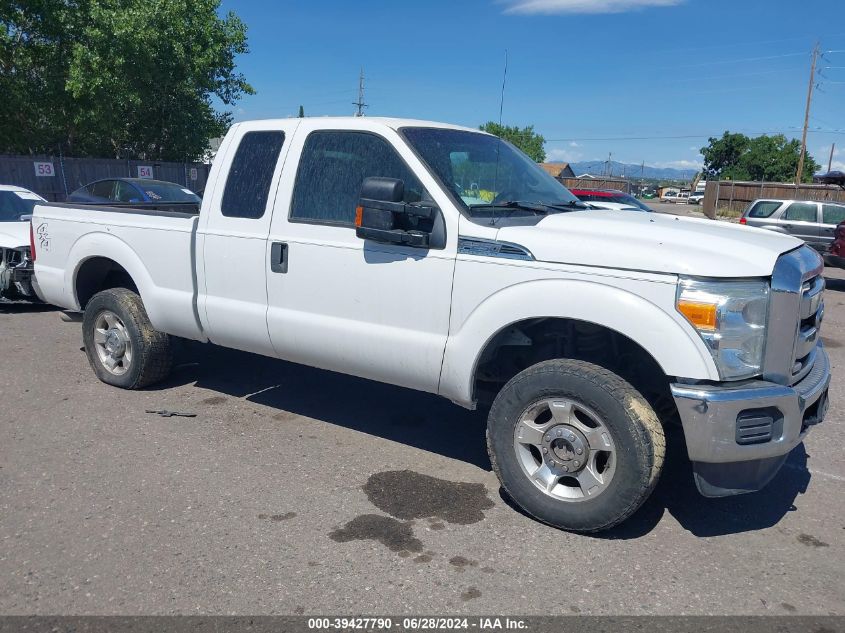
(537, 207)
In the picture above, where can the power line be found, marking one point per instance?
(735, 61)
(683, 136)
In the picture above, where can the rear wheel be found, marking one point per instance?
(574, 445)
(123, 348)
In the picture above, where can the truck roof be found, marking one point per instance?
(390, 122)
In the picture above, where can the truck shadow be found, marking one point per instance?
(421, 420)
(21, 307)
(676, 494)
(430, 423)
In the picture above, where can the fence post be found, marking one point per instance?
(62, 167)
(731, 203)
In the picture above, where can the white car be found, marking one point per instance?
(680, 197)
(16, 205)
(697, 197)
(443, 259)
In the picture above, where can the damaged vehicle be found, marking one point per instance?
(16, 205)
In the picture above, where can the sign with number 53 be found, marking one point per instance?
(44, 169)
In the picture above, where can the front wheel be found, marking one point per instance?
(575, 445)
(123, 348)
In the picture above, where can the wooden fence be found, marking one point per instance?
(735, 196)
(54, 177)
(597, 183)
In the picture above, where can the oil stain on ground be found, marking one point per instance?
(812, 541)
(406, 495)
(460, 563)
(214, 400)
(278, 517)
(470, 594)
(395, 535)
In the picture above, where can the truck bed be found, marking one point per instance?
(156, 247)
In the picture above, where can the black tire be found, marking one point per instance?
(152, 356)
(631, 422)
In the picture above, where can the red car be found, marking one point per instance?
(610, 199)
(836, 255)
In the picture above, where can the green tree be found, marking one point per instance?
(767, 158)
(524, 138)
(123, 78)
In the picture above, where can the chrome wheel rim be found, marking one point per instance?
(565, 449)
(112, 343)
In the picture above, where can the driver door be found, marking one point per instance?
(380, 311)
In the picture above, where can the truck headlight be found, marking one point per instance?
(731, 318)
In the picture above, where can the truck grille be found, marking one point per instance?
(795, 316)
(810, 319)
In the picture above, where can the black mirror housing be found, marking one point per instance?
(383, 189)
(382, 216)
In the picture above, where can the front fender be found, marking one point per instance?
(668, 338)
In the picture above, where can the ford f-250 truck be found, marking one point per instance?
(443, 259)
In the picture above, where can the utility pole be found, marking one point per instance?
(830, 160)
(609, 169)
(360, 103)
(800, 173)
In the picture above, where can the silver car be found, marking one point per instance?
(810, 220)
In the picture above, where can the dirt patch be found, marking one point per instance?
(395, 535)
(214, 400)
(406, 495)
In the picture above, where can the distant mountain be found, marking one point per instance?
(599, 167)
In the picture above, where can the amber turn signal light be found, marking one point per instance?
(701, 315)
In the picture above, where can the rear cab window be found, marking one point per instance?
(251, 174)
(763, 208)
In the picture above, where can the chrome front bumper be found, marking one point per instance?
(739, 435)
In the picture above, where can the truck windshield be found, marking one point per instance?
(485, 171)
(14, 205)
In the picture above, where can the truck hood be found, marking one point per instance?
(14, 234)
(652, 242)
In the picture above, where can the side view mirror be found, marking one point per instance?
(382, 216)
(26, 218)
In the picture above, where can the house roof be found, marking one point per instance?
(556, 169)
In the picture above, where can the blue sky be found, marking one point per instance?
(588, 74)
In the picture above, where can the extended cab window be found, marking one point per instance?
(332, 168)
(763, 209)
(801, 212)
(251, 174)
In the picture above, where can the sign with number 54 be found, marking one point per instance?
(44, 169)
(145, 171)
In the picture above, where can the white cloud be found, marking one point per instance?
(837, 165)
(574, 144)
(582, 6)
(562, 154)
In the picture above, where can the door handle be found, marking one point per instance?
(279, 257)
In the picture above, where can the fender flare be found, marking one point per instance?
(101, 244)
(668, 338)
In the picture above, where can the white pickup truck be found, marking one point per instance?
(443, 259)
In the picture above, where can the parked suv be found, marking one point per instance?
(810, 220)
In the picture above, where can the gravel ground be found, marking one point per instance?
(297, 491)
